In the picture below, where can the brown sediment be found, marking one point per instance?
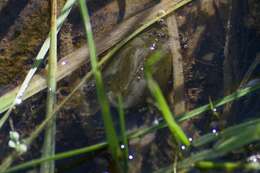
(22, 40)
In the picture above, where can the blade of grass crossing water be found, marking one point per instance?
(220, 102)
(59, 156)
(216, 166)
(124, 145)
(49, 137)
(161, 102)
(226, 133)
(227, 166)
(111, 136)
(226, 143)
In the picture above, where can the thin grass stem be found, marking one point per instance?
(49, 137)
(59, 156)
(155, 90)
(227, 166)
(124, 144)
(112, 139)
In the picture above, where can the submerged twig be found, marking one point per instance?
(234, 51)
(227, 65)
(177, 95)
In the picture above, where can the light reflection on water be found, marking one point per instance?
(254, 158)
(130, 157)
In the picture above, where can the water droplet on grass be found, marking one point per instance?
(254, 158)
(130, 157)
(122, 146)
(156, 122)
(183, 147)
(214, 131)
(153, 46)
(18, 101)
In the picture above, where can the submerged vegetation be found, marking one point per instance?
(156, 127)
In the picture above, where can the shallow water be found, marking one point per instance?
(80, 123)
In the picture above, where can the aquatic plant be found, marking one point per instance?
(223, 141)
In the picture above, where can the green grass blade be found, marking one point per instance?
(233, 139)
(226, 133)
(227, 166)
(111, 136)
(59, 156)
(123, 133)
(235, 96)
(239, 139)
(155, 90)
(49, 137)
(210, 166)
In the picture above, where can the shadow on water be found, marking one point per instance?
(93, 5)
(122, 8)
(96, 5)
